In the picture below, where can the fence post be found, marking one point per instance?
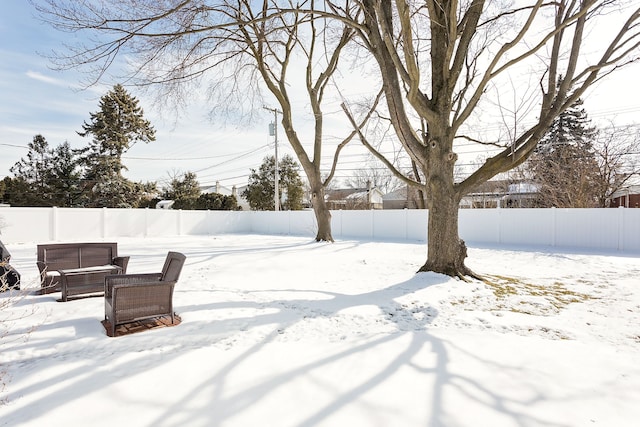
(620, 217)
(104, 223)
(499, 211)
(373, 223)
(145, 233)
(553, 226)
(406, 224)
(53, 233)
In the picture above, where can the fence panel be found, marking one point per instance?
(525, 226)
(19, 225)
(125, 222)
(162, 222)
(479, 225)
(629, 230)
(607, 229)
(358, 224)
(389, 224)
(587, 228)
(417, 220)
(79, 224)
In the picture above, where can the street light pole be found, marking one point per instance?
(276, 195)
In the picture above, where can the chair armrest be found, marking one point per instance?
(122, 262)
(149, 292)
(145, 283)
(128, 280)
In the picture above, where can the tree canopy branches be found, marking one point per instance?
(436, 61)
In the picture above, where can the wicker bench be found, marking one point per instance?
(78, 268)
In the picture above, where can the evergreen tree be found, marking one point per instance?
(183, 191)
(147, 194)
(32, 173)
(17, 192)
(3, 188)
(290, 184)
(261, 188)
(116, 127)
(65, 179)
(46, 177)
(216, 202)
(564, 164)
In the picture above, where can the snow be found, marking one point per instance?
(283, 331)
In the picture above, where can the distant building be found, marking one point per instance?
(501, 194)
(520, 195)
(628, 197)
(355, 198)
(165, 204)
(403, 198)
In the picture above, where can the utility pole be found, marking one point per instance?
(273, 131)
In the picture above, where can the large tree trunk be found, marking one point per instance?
(446, 251)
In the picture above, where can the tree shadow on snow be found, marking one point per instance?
(405, 324)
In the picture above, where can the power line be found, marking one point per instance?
(235, 158)
(14, 145)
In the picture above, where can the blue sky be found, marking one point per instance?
(34, 99)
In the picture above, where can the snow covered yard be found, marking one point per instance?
(282, 331)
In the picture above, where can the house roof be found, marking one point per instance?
(523, 188)
(341, 193)
(628, 190)
(217, 188)
(399, 194)
(361, 195)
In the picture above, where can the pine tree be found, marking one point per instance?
(261, 188)
(33, 171)
(216, 202)
(183, 191)
(116, 127)
(18, 192)
(291, 184)
(564, 164)
(47, 177)
(65, 180)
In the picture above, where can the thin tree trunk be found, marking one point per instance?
(323, 215)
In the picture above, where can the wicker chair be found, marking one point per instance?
(132, 297)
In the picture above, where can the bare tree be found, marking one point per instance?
(376, 174)
(617, 150)
(240, 46)
(437, 60)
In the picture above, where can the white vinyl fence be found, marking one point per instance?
(606, 229)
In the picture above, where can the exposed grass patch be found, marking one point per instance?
(557, 294)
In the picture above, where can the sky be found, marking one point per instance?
(35, 99)
(334, 334)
